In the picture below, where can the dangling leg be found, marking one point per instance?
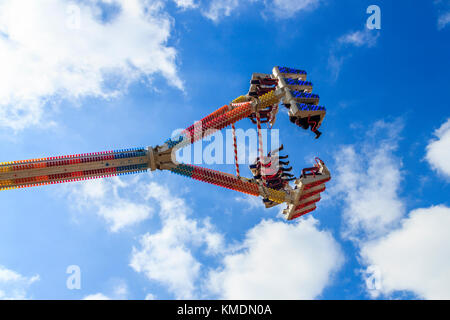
(313, 124)
(318, 133)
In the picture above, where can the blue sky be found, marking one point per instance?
(88, 76)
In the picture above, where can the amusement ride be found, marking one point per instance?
(271, 179)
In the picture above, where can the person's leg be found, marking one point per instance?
(313, 121)
(318, 133)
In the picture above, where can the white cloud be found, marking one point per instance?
(14, 286)
(103, 197)
(220, 8)
(335, 64)
(167, 255)
(119, 291)
(398, 253)
(339, 51)
(186, 4)
(97, 296)
(250, 202)
(443, 20)
(367, 177)
(124, 214)
(150, 296)
(362, 38)
(173, 255)
(55, 49)
(415, 257)
(438, 150)
(168, 262)
(217, 9)
(288, 8)
(278, 260)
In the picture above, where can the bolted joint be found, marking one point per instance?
(161, 158)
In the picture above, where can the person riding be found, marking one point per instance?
(306, 123)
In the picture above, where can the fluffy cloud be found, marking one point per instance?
(438, 150)
(123, 214)
(103, 197)
(97, 296)
(56, 49)
(368, 180)
(414, 257)
(443, 9)
(172, 255)
(398, 252)
(14, 285)
(65, 50)
(288, 8)
(217, 9)
(339, 50)
(443, 20)
(118, 292)
(362, 38)
(186, 4)
(250, 202)
(276, 261)
(150, 296)
(220, 8)
(167, 255)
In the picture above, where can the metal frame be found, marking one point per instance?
(300, 198)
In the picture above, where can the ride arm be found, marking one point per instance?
(51, 170)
